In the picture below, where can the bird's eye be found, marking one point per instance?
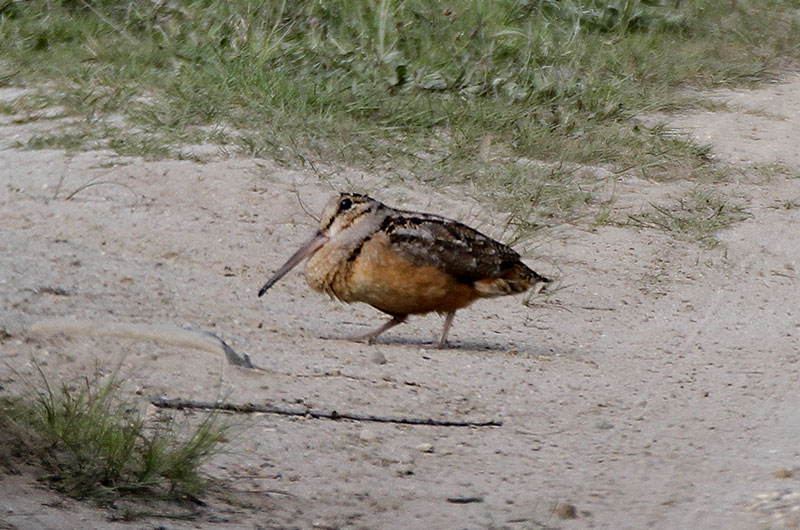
(345, 204)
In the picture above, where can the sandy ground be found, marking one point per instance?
(659, 387)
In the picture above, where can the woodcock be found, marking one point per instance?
(405, 263)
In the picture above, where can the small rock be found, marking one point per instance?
(378, 357)
(404, 470)
(605, 425)
(464, 500)
(784, 473)
(367, 435)
(566, 511)
(424, 447)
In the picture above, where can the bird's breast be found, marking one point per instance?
(326, 269)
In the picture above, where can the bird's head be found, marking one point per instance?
(344, 211)
(340, 213)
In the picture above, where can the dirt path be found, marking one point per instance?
(663, 390)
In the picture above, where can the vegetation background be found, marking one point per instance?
(505, 95)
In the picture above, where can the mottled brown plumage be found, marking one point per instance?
(405, 263)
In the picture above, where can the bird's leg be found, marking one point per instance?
(448, 321)
(372, 335)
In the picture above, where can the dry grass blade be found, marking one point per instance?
(699, 215)
(102, 183)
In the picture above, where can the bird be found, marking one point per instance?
(405, 263)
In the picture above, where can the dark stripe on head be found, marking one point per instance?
(356, 198)
(353, 220)
(325, 228)
(357, 250)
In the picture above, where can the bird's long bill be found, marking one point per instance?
(311, 246)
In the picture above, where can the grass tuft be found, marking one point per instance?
(92, 444)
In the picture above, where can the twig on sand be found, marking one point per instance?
(249, 408)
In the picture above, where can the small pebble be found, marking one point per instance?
(367, 435)
(784, 473)
(424, 448)
(378, 357)
(464, 500)
(566, 511)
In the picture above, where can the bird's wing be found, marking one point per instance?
(455, 248)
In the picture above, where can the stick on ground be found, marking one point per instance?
(249, 408)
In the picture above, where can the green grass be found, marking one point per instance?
(92, 444)
(406, 88)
